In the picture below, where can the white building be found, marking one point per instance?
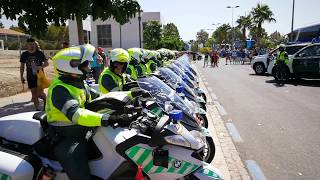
(106, 34)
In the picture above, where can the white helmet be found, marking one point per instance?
(68, 60)
(135, 54)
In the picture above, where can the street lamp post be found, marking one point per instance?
(120, 35)
(232, 7)
(139, 19)
(293, 2)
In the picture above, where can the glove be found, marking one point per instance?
(139, 92)
(122, 120)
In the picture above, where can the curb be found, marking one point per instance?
(227, 158)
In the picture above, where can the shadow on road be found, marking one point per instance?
(265, 75)
(15, 108)
(297, 82)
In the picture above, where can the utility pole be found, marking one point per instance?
(139, 19)
(293, 2)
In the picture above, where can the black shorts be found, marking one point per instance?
(32, 82)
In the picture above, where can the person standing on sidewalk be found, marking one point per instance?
(34, 60)
(206, 60)
(215, 59)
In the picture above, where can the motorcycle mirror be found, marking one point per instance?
(168, 106)
(179, 89)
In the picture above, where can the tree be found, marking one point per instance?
(276, 38)
(254, 33)
(152, 35)
(57, 12)
(244, 23)
(222, 33)
(210, 42)
(195, 46)
(1, 25)
(202, 37)
(236, 32)
(205, 50)
(172, 43)
(260, 14)
(171, 30)
(171, 37)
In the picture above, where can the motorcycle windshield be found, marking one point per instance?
(185, 69)
(186, 62)
(162, 93)
(175, 80)
(180, 73)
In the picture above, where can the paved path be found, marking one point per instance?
(275, 128)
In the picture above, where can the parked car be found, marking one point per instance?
(303, 64)
(260, 63)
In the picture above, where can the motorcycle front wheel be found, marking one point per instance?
(209, 150)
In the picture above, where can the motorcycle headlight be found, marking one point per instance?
(201, 139)
(177, 140)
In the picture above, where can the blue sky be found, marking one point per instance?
(192, 15)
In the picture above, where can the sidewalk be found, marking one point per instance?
(16, 104)
(227, 158)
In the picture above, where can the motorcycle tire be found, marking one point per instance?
(210, 150)
(203, 106)
(204, 120)
(203, 95)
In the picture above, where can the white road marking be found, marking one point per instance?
(214, 96)
(254, 170)
(221, 110)
(234, 132)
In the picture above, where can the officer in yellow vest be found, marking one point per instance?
(282, 56)
(281, 63)
(142, 68)
(135, 58)
(66, 113)
(113, 77)
(150, 61)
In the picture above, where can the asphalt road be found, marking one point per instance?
(278, 125)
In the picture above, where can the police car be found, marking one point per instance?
(303, 64)
(260, 63)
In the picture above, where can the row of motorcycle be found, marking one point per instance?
(168, 140)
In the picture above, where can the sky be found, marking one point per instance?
(190, 16)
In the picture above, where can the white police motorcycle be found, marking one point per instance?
(162, 148)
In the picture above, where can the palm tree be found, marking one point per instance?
(244, 23)
(260, 14)
(222, 32)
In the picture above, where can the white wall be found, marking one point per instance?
(73, 32)
(130, 31)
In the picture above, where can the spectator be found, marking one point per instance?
(103, 56)
(215, 59)
(205, 61)
(96, 66)
(234, 56)
(228, 54)
(33, 59)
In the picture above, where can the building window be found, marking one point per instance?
(104, 36)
